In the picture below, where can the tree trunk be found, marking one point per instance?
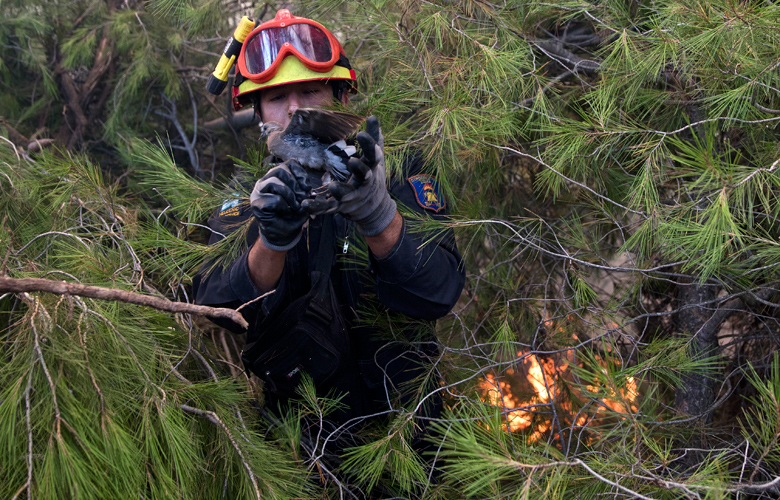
(77, 113)
(696, 394)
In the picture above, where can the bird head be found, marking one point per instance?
(267, 128)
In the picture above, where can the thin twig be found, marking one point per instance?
(83, 340)
(189, 145)
(27, 391)
(266, 294)
(39, 351)
(214, 418)
(755, 172)
(568, 179)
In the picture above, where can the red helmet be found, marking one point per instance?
(288, 49)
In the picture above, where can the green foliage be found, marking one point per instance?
(391, 455)
(189, 198)
(761, 424)
(86, 388)
(601, 160)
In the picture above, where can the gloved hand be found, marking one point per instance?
(363, 198)
(276, 202)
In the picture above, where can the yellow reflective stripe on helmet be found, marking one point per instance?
(292, 70)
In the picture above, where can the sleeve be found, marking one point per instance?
(231, 286)
(423, 275)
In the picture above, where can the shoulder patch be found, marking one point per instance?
(427, 192)
(229, 207)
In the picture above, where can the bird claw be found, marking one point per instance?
(320, 203)
(321, 190)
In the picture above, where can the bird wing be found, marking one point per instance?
(325, 125)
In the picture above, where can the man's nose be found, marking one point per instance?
(293, 103)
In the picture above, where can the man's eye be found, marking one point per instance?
(313, 91)
(277, 97)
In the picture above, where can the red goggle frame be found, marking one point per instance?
(267, 45)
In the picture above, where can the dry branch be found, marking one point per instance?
(14, 135)
(19, 285)
(214, 418)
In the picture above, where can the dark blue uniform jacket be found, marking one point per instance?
(421, 279)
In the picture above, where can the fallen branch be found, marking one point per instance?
(19, 285)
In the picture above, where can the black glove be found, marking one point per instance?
(276, 202)
(363, 198)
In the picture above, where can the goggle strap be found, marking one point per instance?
(343, 61)
(238, 79)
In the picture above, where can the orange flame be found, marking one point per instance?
(498, 394)
(541, 377)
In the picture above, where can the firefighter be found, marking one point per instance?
(316, 318)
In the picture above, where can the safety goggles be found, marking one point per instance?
(267, 45)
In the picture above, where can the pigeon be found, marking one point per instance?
(315, 139)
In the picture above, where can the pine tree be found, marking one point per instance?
(103, 399)
(612, 170)
(615, 171)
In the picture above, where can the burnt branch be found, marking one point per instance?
(102, 62)
(239, 120)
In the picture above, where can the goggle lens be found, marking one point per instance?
(262, 49)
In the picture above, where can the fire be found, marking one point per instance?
(624, 399)
(534, 383)
(498, 394)
(541, 377)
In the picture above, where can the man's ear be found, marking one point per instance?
(258, 109)
(340, 92)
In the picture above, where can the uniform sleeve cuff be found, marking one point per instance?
(401, 263)
(281, 248)
(240, 282)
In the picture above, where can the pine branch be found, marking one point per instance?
(556, 51)
(20, 285)
(170, 113)
(16, 137)
(67, 136)
(214, 418)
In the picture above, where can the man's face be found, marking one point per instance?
(277, 104)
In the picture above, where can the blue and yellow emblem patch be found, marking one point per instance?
(426, 189)
(229, 208)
